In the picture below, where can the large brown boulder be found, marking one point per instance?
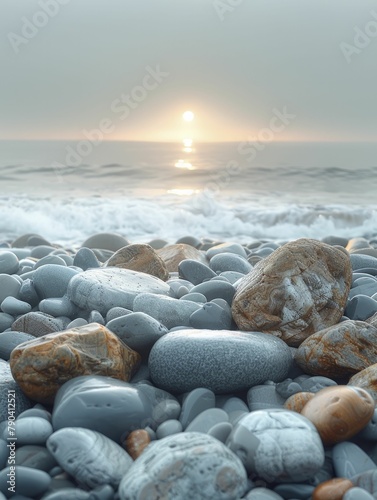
(298, 290)
(139, 257)
(42, 366)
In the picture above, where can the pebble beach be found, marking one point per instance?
(192, 369)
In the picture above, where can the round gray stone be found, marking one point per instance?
(216, 289)
(194, 271)
(230, 262)
(168, 428)
(194, 403)
(29, 482)
(51, 280)
(50, 259)
(223, 361)
(211, 317)
(189, 465)
(104, 288)
(227, 247)
(350, 460)
(221, 431)
(94, 401)
(278, 445)
(85, 259)
(138, 330)
(9, 263)
(61, 306)
(9, 287)
(15, 307)
(32, 430)
(362, 261)
(6, 321)
(264, 397)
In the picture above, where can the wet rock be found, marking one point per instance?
(299, 289)
(139, 257)
(43, 365)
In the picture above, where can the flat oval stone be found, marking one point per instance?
(362, 261)
(216, 289)
(367, 480)
(106, 241)
(138, 330)
(85, 259)
(35, 457)
(43, 365)
(52, 280)
(339, 412)
(207, 419)
(228, 247)
(361, 307)
(14, 306)
(222, 361)
(9, 287)
(194, 403)
(194, 271)
(350, 460)
(297, 491)
(333, 489)
(189, 465)
(221, 431)
(227, 261)
(168, 428)
(29, 482)
(299, 289)
(32, 430)
(166, 310)
(277, 445)
(340, 350)
(104, 288)
(90, 457)
(94, 401)
(9, 263)
(212, 317)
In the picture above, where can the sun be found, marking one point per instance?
(188, 116)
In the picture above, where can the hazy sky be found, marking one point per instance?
(133, 67)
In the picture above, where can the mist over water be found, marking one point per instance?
(147, 190)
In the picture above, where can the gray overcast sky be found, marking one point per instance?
(231, 65)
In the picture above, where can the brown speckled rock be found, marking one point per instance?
(301, 288)
(36, 323)
(339, 351)
(172, 255)
(339, 412)
(136, 442)
(42, 366)
(366, 379)
(333, 489)
(297, 401)
(139, 257)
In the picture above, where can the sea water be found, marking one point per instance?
(224, 191)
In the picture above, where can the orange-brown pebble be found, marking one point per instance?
(339, 412)
(333, 489)
(136, 442)
(297, 401)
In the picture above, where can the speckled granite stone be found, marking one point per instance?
(223, 361)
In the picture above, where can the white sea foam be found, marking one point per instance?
(70, 221)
